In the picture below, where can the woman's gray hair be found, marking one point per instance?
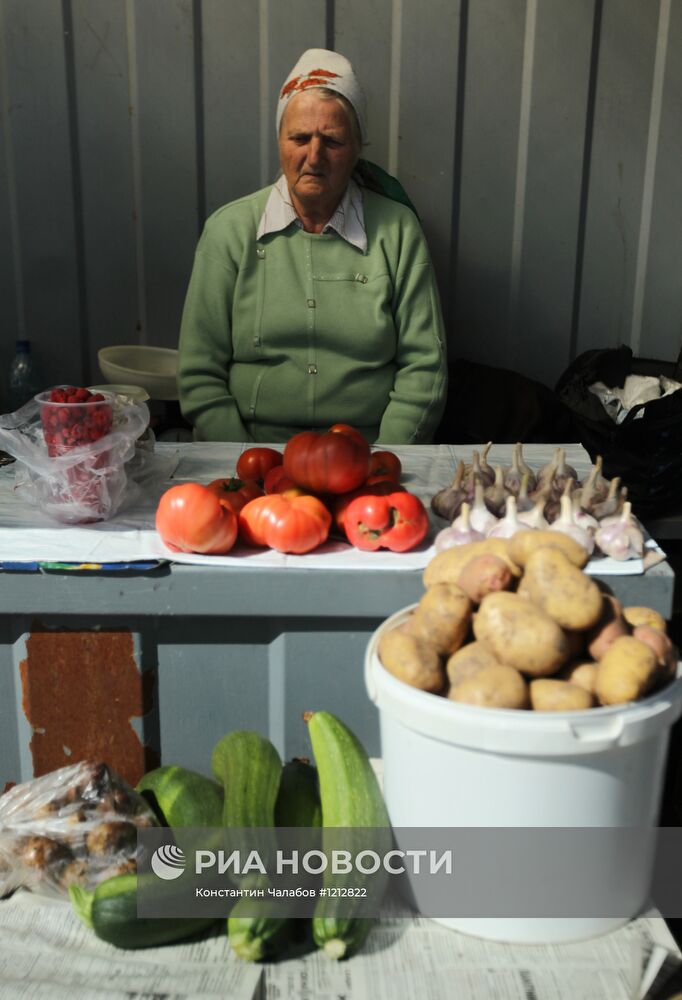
(327, 94)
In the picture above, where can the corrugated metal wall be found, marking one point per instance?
(539, 139)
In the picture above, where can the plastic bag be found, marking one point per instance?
(74, 826)
(643, 447)
(75, 483)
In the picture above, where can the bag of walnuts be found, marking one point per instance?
(76, 825)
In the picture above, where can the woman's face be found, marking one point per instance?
(318, 152)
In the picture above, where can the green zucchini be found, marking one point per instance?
(111, 911)
(351, 797)
(180, 797)
(298, 799)
(250, 769)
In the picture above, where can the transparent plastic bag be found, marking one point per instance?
(75, 482)
(74, 826)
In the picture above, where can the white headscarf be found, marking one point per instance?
(323, 68)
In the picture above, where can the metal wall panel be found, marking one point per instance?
(492, 101)
(661, 324)
(164, 130)
(422, 139)
(621, 124)
(538, 139)
(231, 104)
(39, 128)
(106, 183)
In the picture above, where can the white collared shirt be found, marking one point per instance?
(348, 220)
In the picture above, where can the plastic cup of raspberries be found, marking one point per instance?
(75, 418)
(72, 418)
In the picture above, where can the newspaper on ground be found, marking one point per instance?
(45, 952)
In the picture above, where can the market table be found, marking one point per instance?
(147, 665)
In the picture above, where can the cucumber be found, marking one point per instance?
(250, 769)
(111, 911)
(180, 797)
(351, 797)
(298, 799)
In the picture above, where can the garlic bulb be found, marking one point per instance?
(581, 517)
(564, 472)
(566, 524)
(611, 504)
(535, 517)
(526, 468)
(474, 471)
(513, 474)
(459, 532)
(487, 471)
(447, 503)
(482, 519)
(547, 472)
(620, 536)
(510, 523)
(600, 485)
(496, 495)
(523, 500)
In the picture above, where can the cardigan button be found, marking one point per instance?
(312, 369)
(311, 303)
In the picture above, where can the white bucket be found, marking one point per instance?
(454, 765)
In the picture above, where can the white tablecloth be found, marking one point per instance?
(27, 535)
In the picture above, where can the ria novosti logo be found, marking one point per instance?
(168, 862)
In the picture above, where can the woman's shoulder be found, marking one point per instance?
(380, 210)
(244, 211)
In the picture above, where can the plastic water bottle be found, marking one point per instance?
(25, 378)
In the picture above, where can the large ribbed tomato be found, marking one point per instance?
(191, 518)
(397, 521)
(288, 522)
(335, 461)
(341, 503)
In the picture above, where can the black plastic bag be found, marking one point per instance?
(644, 450)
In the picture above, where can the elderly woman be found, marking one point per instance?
(313, 301)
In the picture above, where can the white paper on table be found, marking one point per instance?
(26, 535)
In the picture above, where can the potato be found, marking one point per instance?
(484, 574)
(626, 671)
(411, 660)
(442, 617)
(636, 615)
(467, 660)
(563, 591)
(666, 652)
(496, 686)
(610, 626)
(580, 672)
(520, 634)
(445, 567)
(548, 694)
(523, 543)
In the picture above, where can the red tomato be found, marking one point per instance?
(397, 521)
(234, 492)
(340, 504)
(350, 431)
(332, 462)
(288, 522)
(276, 480)
(385, 463)
(255, 463)
(191, 518)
